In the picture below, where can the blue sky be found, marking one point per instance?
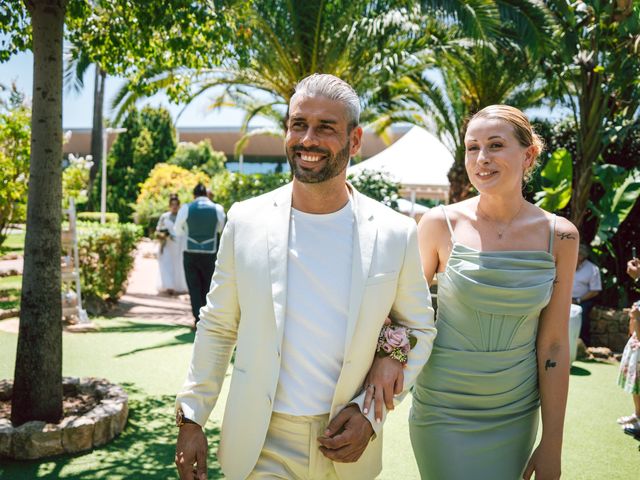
(77, 107)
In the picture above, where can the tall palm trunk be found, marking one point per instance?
(593, 109)
(97, 126)
(37, 391)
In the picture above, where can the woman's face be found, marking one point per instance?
(494, 158)
(174, 206)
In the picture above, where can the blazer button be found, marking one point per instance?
(269, 399)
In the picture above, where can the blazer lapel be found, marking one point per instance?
(364, 238)
(278, 244)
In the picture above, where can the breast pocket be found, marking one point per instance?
(381, 278)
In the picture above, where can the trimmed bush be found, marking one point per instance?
(199, 156)
(110, 217)
(377, 185)
(229, 188)
(164, 180)
(106, 258)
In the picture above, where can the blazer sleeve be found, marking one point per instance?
(412, 308)
(215, 338)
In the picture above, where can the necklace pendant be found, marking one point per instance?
(499, 236)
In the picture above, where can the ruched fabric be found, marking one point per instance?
(475, 403)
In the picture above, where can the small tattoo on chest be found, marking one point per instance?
(549, 364)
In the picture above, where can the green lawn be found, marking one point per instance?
(13, 244)
(150, 360)
(10, 292)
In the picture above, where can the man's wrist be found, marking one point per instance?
(182, 420)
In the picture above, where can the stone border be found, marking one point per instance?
(73, 434)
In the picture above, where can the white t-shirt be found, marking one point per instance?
(586, 279)
(318, 289)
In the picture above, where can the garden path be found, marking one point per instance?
(141, 299)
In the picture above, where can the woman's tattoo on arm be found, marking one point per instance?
(549, 364)
(566, 236)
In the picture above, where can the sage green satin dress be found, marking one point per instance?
(475, 403)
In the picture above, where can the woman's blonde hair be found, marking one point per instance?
(522, 129)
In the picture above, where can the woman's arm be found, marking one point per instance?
(553, 356)
(430, 237)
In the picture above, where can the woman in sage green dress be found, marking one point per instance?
(504, 270)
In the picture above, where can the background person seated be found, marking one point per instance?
(586, 286)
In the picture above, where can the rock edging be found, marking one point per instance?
(74, 433)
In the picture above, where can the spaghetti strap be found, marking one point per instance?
(552, 234)
(444, 211)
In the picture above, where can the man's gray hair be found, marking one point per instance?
(331, 87)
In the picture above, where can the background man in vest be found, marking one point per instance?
(201, 221)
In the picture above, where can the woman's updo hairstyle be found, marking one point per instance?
(521, 128)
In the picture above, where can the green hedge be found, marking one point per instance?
(106, 258)
(110, 217)
(229, 188)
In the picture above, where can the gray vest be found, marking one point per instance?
(202, 222)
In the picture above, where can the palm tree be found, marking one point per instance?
(77, 65)
(363, 42)
(596, 65)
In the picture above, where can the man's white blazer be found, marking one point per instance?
(246, 308)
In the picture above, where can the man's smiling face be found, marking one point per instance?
(319, 140)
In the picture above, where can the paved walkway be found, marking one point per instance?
(141, 300)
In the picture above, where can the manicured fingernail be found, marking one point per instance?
(327, 432)
(378, 420)
(365, 411)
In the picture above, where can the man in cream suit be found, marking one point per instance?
(304, 280)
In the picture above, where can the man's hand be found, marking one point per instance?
(384, 380)
(191, 452)
(346, 436)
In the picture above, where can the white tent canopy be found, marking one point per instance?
(418, 161)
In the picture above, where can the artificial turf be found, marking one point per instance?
(150, 360)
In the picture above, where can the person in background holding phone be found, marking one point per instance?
(633, 265)
(586, 286)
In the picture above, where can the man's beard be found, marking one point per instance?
(334, 164)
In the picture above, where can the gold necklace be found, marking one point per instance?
(500, 233)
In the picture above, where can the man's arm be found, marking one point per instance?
(221, 218)
(412, 309)
(215, 338)
(180, 226)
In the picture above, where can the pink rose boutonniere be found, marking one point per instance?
(395, 341)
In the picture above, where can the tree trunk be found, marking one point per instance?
(96, 129)
(593, 110)
(37, 388)
(459, 186)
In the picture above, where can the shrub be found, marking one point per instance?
(148, 140)
(75, 180)
(164, 180)
(200, 156)
(15, 135)
(229, 188)
(110, 217)
(377, 185)
(106, 259)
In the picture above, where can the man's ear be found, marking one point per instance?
(355, 138)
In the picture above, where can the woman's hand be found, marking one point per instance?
(544, 462)
(384, 380)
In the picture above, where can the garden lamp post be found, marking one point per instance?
(103, 183)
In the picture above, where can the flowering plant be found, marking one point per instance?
(395, 341)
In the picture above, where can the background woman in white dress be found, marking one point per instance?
(172, 278)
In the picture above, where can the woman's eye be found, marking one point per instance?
(472, 147)
(496, 145)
